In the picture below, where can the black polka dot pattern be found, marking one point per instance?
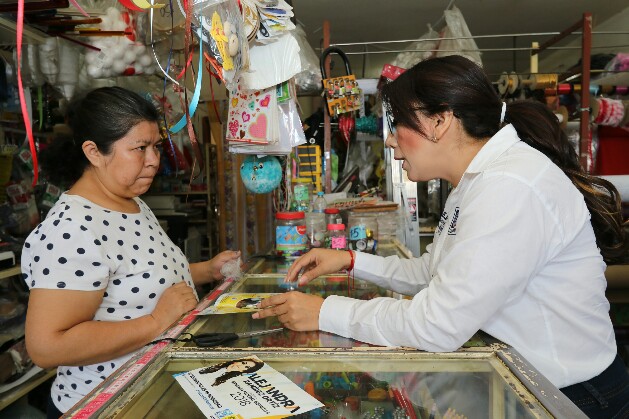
(101, 251)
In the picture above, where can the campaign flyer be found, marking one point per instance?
(245, 388)
(236, 303)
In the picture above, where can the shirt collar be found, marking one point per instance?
(498, 144)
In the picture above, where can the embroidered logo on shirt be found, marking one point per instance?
(455, 217)
(442, 222)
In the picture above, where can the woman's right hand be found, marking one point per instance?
(174, 302)
(318, 262)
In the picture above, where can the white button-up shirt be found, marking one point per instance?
(514, 255)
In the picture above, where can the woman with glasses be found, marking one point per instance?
(521, 247)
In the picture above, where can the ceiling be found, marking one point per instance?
(367, 21)
(376, 20)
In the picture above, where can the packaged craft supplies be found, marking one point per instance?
(223, 36)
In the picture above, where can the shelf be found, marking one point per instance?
(7, 273)
(21, 390)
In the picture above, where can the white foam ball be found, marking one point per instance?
(119, 25)
(138, 68)
(105, 23)
(108, 61)
(149, 70)
(94, 71)
(118, 67)
(113, 13)
(118, 52)
(129, 56)
(145, 60)
(90, 57)
(140, 49)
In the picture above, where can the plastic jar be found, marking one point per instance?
(290, 234)
(333, 216)
(336, 237)
(302, 192)
(315, 229)
(363, 233)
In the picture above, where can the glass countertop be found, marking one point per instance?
(354, 386)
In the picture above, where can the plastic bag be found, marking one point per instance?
(118, 55)
(427, 42)
(457, 28)
(309, 78)
(223, 36)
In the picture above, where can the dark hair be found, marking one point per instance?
(103, 116)
(456, 84)
(231, 374)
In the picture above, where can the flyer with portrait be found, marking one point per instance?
(236, 303)
(245, 388)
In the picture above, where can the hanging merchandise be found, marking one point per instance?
(342, 94)
(458, 39)
(118, 55)
(309, 78)
(274, 19)
(608, 112)
(257, 124)
(273, 63)
(224, 36)
(424, 47)
(347, 125)
(261, 174)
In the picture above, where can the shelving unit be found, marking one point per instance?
(8, 273)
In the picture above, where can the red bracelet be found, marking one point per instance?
(351, 264)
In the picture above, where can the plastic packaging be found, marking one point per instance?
(302, 190)
(315, 229)
(290, 234)
(319, 204)
(223, 36)
(363, 233)
(336, 237)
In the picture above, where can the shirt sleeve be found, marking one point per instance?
(404, 276)
(504, 237)
(65, 255)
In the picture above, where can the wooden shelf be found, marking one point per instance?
(21, 390)
(7, 273)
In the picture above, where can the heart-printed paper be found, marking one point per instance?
(258, 128)
(253, 115)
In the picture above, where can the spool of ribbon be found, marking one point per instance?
(540, 81)
(610, 112)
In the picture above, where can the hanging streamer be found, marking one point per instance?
(197, 93)
(25, 115)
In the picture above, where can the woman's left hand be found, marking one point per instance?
(217, 262)
(295, 310)
(210, 270)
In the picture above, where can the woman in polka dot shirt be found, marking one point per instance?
(105, 278)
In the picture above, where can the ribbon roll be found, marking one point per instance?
(611, 112)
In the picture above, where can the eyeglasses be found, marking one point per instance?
(391, 123)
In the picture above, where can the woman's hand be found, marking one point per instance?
(210, 270)
(174, 302)
(318, 262)
(295, 310)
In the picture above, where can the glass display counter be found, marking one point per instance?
(485, 379)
